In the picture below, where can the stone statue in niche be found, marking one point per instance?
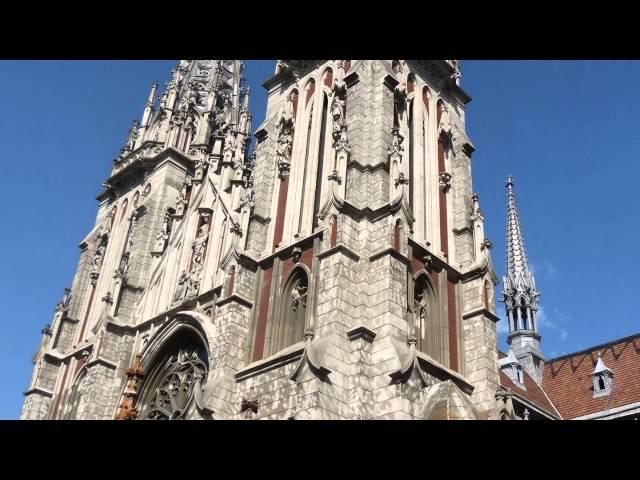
(400, 90)
(199, 246)
(445, 127)
(188, 287)
(199, 171)
(182, 287)
(163, 236)
(337, 113)
(229, 144)
(99, 253)
(285, 137)
(183, 198)
(133, 135)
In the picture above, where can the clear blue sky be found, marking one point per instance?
(567, 131)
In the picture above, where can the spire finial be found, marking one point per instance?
(509, 184)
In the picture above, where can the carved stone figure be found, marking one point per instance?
(183, 199)
(99, 254)
(199, 246)
(445, 182)
(337, 113)
(285, 137)
(182, 288)
(445, 128)
(396, 147)
(163, 236)
(299, 296)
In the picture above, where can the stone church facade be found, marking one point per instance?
(341, 271)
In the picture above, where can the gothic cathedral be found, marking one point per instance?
(340, 271)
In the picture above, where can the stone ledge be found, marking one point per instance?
(341, 247)
(361, 332)
(234, 297)
(284, 357)
(39, 391)
(481, 311)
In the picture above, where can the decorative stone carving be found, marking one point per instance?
(108, 298)
(249, 199)
(229, 150)
(396, 147)
(476, 213)
(98, 255)
(183, 198)
(420, 311)
(401, 180)
(445, 129)
(400, 90)
(338, 106)
(285, 137)
(486, 244)
(199, 246)
(236, 228)
(299, 295)
(171, 394)
(457, 74)
(427, 260)
(296, 254)
(162, 239)
(249, 405)
(445, 182)
(63, 304)
(335, 177)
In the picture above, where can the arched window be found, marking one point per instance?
(289, 327)
(306, 157)
(167, 392)
(424, 312)
(323, 133)
(124, 209)
(523, 310)
(78, 401)
(136, 198)
(411, 155)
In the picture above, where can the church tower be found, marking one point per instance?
(520, 296)
(341, 272)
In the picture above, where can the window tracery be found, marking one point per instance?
(169, 391)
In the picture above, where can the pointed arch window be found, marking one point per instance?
(289, 327)
(310, 89)
(424, 312)
(411, 154)
(523, 314)
(323, 133)
(167, 393)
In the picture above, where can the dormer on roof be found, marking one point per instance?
(512, 368)
(602, 378)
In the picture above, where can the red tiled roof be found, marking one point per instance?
(533, 392)
(567, 379)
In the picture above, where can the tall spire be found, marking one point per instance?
(520, 295)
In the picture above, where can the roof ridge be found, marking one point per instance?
(595, 347)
